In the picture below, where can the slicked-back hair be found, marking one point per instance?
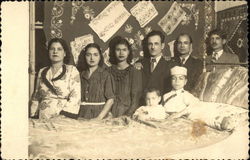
(176, 52)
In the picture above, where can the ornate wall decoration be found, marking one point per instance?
(147, 29)
(233, 21)
(56, 21)
(209, 17)
(128, 28)
(70, 20)
(88, 13)
(172, 19)
(193, 13)
(209, 22)
(76, 5)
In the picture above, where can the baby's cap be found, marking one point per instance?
(178, 70)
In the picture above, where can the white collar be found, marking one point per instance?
(219, 53)
(157, 58)
(50, 75)
(185, 58)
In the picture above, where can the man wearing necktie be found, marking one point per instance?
(218, 54)
(155, 69)
(183, 57)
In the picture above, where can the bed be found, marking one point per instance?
(123, 137)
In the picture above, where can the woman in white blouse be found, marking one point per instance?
(58, 89)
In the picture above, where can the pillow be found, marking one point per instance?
(218, 115)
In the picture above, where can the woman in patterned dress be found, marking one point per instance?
(96, 85)
(58, 88)
(127, 80)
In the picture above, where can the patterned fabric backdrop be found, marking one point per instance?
(80, 23)
(234, 22)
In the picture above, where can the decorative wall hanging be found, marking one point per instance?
(104, 26)
(56, 21)
(108, 24)
(144, 12)
(128, 28)
(79, 43)
(233, 21)
(88, 12)
(193, 13)
(172, 19)
(76, 5)
(209, 24)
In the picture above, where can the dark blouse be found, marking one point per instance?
(97, 88)
(128, 88)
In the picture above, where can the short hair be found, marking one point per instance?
(207, 41)
(82, 63)
(184, 34)
(145, 41)
(156, 33)
(68, 57)
(218, 32)
(176, 52)
(150, 90)
(112, 47)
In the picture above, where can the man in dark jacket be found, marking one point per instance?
(183, 50)
(155, 69)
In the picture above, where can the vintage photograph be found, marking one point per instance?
(138, 79)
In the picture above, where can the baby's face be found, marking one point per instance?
(178, 81)
(152, 99)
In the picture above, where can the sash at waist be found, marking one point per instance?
(93, 103)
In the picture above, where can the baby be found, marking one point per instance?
(153, 110)
(178, 99)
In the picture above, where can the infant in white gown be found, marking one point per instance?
(153, 110)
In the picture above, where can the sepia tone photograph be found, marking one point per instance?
(137, 79)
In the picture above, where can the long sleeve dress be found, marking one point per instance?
(128, 88)
(96, 90)
(58, 94)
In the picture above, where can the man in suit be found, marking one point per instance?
(217, 41)
(155, 69)
(183, 50)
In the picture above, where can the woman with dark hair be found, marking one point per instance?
(126, 78)
(58, 85)
(96, 85)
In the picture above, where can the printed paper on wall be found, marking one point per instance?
(172, 19)
(79, 43)
(109, 20)
(144, 12)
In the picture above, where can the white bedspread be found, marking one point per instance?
(116, 138)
